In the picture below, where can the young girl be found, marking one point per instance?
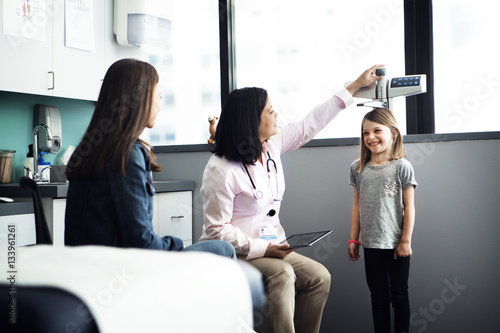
(384, 213)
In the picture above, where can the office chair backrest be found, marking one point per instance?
(42, 230)
(45, 309)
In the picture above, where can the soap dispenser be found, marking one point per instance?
(28, 162)
(43, 168)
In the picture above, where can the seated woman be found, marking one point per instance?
(243, 185)
(110, 195)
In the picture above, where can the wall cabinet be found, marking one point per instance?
(49, 67)
(26, 63)
(77, 73)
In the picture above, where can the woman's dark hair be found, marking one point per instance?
(237, 136)
(120, 116)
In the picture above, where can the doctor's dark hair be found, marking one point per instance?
(237, 135)
(384, 117)
(121, 114)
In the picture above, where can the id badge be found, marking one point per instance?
(268, 232)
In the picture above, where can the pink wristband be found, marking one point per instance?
(354, 241)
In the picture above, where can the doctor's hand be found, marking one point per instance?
(278, 251)
(367, 78)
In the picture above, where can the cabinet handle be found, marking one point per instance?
(177, 217)
(51, 84)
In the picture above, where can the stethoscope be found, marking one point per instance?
(258, 193)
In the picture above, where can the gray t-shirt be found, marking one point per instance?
(380, 190)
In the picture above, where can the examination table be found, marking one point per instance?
(124, 290)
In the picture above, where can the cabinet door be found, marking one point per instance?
(55, 209)
(59, 211)
(175, 215)
(26, 59)
(24, 226)
(78, 73)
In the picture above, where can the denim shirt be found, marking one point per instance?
(117, 209)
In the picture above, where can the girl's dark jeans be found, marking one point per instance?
(388, 283)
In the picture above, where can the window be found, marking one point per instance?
(302, 52)
(189, 75)
(466, 72)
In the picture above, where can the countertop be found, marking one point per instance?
(21, 206)
(60, 190)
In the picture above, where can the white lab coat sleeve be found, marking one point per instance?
(218, 192)
(296, 134)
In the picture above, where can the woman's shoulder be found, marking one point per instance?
(220, 171)
(138, 157)
(138, 150)
(138, 146)
(221, 163)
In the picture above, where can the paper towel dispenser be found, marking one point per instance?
(143, 23)
(48, 116)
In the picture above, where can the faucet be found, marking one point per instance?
(36, 174)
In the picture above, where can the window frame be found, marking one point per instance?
(227, 49)
(419, 59)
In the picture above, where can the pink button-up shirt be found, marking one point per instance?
(231, 211)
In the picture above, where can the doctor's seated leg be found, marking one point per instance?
(297, 290)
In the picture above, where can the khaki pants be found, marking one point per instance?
(297, 289)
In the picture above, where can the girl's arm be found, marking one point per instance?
(353, 247)
(404, 247)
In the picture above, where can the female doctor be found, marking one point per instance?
(242, 188)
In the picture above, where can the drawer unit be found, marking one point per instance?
(173, 215)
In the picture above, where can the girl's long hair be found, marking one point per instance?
(384, 117)
(120, 116)
(237, 135)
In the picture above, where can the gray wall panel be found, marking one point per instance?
(454, 270)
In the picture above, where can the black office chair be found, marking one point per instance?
(41, 228)
(43, 308)
(39, 309)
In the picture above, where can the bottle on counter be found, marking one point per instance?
(44, 168)
(28, 162)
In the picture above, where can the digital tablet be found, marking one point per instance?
(306, 239)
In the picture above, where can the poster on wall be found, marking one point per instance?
(26, 18)
(79, 24)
